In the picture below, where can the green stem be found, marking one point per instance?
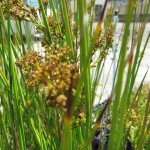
(45, 22)
(118, 89)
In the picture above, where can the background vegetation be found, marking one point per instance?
(46, 97)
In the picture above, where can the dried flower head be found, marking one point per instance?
(18, 10)
(28, 65)
(56, 72)
(45, 2)
(57, 29)
(104, 39)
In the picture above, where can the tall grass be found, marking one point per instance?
(32, 116)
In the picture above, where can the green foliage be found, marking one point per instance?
(47, 97)
(135, 117)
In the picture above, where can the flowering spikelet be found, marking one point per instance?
(55, 72)
(45, 2)
(18, 10)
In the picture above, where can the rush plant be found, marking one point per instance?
(47, 95)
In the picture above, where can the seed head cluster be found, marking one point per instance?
(45, 2)
(103, 43)
(134, 116)
(58, 30)
(79, 115)
(54, 72)
(18, 10)
(105, 39)
(28, 65)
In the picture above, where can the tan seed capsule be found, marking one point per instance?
(61, 98)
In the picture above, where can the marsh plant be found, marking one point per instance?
(47, 96)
